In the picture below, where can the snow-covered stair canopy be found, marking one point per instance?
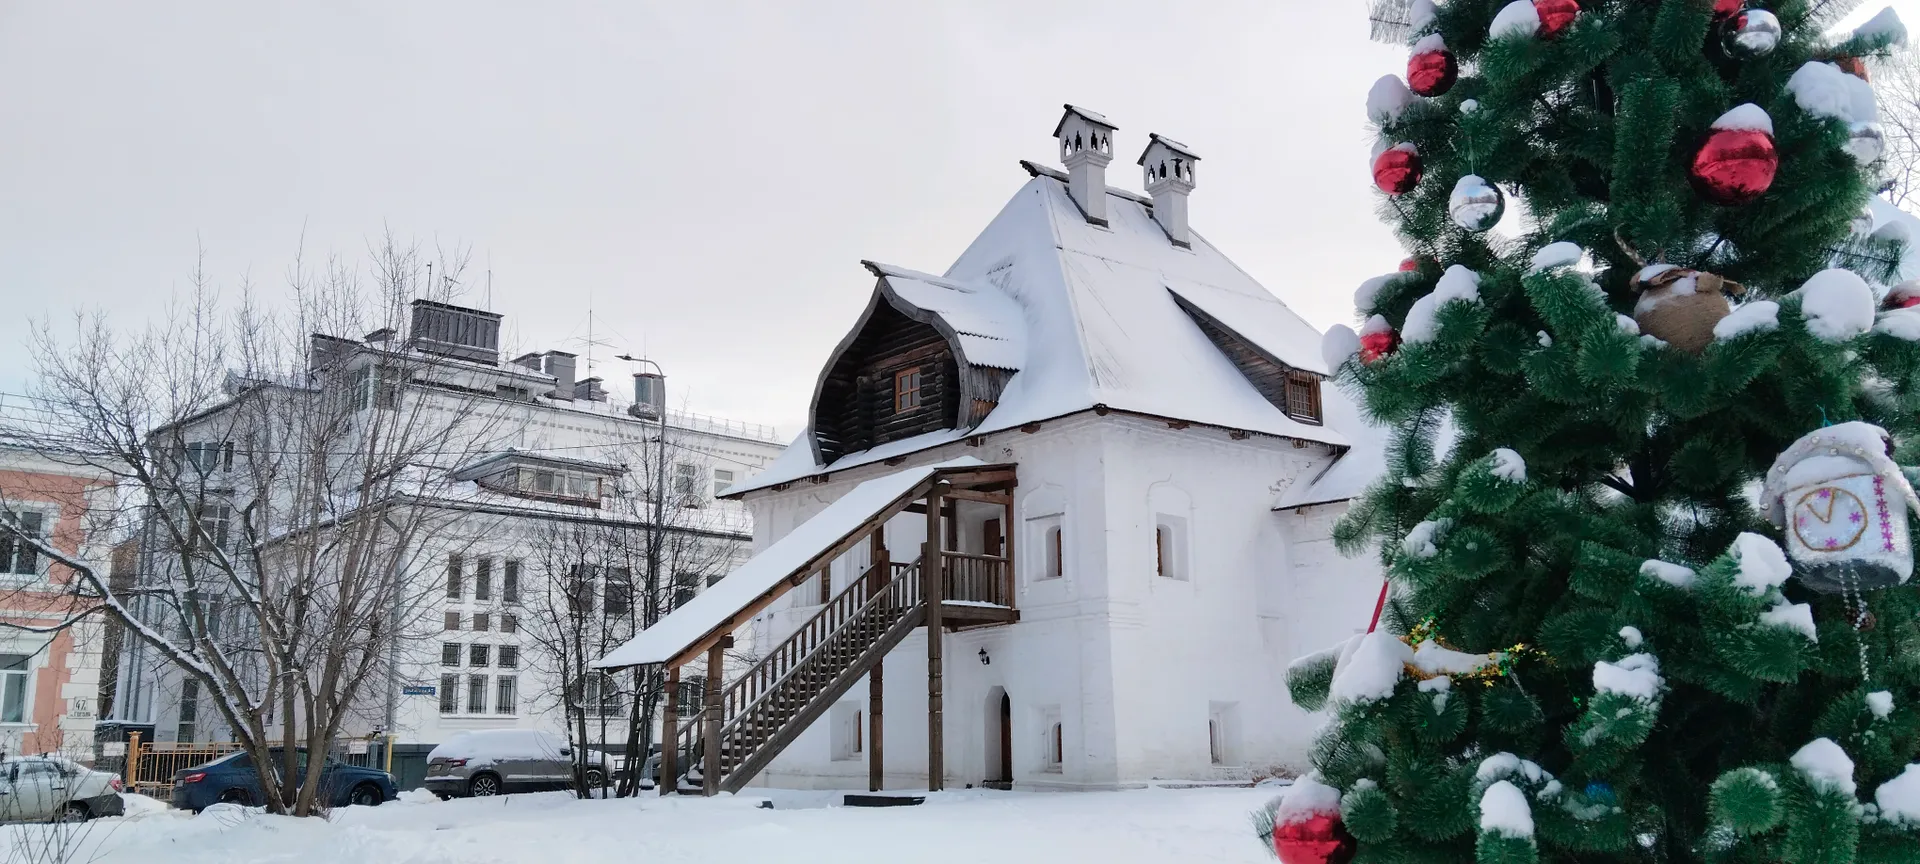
(731, 602)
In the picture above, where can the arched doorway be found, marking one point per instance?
(999, 729)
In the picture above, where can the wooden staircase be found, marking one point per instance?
(795, 684)
(742, 725)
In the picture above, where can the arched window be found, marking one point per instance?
(1171, 509)
(1055, 747)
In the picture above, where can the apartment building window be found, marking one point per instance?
(13, 688)
(479, 656)
(16, 555)
(722, 481)
(509, 623)
(476, 694)
(685, 585)
(510, 582)
(189, 710)
(686, 478)
(450, 654)
(509, 657)
(216, 520)
(449, 694)
(619, 591)
(483, 579)
(453, 576)
(207, 457)
(481, 621)
(503, 697)
(453, 621)
(580, 590)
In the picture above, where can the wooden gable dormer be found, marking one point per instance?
(1296, 392)
(905, 369)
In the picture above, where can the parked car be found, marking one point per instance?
(40, 788)
(231, 779)
(497, 761)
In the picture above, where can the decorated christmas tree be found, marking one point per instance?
(1644, 521)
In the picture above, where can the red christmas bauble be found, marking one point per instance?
(1907, 302)
(1727, 8)
(1735, 166)
(1432, 73)
(1852, 66)
(1408, 265)
(1555, 15)
(1318, 839)
(1374, 346)
(1397, 170)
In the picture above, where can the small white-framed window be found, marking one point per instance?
(723, 479)
(15, 674)
(845, 731)
(1170, 546)
(18, 557)
(1047, 538)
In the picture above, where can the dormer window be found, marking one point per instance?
(906, 390)
(1303, 397)
(544, 483)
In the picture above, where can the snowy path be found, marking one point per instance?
(1153, 825)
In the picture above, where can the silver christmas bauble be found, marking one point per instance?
(1751, 33)
(1865, 142)
(1475, 204)
(1863, 221)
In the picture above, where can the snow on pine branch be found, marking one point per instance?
(1372, 671)
(1670, 573)
(1423, 322)
(1899, 799)
(1508, 466)
(1837, 303)
(1754, 316)
(1763, 567)
(1636, 676)
(1826, 766)
(1504, 811)
(1797, 617)
(1518, 18)
(1423, 540)
(1880, 702)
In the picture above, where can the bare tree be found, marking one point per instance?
(271, 477)
(655, 546)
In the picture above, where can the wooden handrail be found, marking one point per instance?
(977, 578)
(780, 661)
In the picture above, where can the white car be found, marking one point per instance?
(48, 788)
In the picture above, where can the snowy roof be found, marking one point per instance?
(986, 324)
(1089, 116)
(1168, 143)
(717, 605)
(1100, 324)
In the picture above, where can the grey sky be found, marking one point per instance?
(706, 175)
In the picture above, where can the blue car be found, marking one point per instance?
(231, 779)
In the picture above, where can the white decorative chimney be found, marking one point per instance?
(1086, 146)
(1169, 168)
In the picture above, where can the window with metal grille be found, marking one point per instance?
(453, 621)
(479, 656)
(477, 694)
(1303, 397)
(510, 582)
(449, 694)
(450, 654)
(504, 701)
(906, 390)
(483, 579)
(509, 657)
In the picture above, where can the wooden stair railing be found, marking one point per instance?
(799, 679)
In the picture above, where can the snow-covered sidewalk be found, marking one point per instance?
(1150, 825)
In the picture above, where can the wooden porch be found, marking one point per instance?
(745, 723)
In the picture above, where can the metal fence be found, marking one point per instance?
(148, 767)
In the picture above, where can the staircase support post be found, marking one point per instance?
(710, 774)
(932, 593)
(877, 585)
(670, 736)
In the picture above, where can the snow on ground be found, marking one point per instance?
(1149, 825)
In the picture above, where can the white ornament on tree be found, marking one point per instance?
(1842, 503)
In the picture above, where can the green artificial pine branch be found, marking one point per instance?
(1660, 684)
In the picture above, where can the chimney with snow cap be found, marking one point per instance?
(1169, 173)
(1086, 146)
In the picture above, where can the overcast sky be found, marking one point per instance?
(704, 176)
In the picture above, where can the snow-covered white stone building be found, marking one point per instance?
(1123, 448)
